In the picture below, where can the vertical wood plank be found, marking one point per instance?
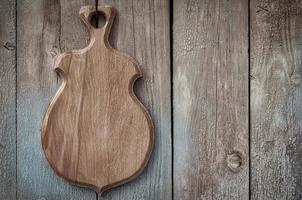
(276, 99)
(38, 39)
(210, 87)
(141, 30)
(7, 100)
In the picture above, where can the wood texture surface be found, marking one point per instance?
(210, 93)
(95, 132)
(8, 100)
(38, 40)
(276, 99)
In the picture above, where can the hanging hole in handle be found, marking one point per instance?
(97, 19)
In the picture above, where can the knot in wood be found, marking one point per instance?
(235, 161)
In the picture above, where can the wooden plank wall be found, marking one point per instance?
(210, 79)
(231, 129)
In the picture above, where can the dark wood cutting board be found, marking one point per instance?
(95, 132)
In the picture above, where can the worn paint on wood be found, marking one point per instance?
(38, 39)
(276, 99)
(141, 29)
(210, 93)
(7, 100)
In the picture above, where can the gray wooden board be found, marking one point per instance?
(141, 30)
(210, 99)
(7, 100)
(276, 99)
(38, 39)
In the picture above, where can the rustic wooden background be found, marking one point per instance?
(222, 81)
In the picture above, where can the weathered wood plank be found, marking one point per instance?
(141, 30)
(38, 39)
(7, 100)
(210, 93)
(276, 99)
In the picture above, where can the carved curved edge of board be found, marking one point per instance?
(85, 13)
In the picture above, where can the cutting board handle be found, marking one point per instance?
(86, 13)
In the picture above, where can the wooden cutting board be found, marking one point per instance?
(95, 132)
